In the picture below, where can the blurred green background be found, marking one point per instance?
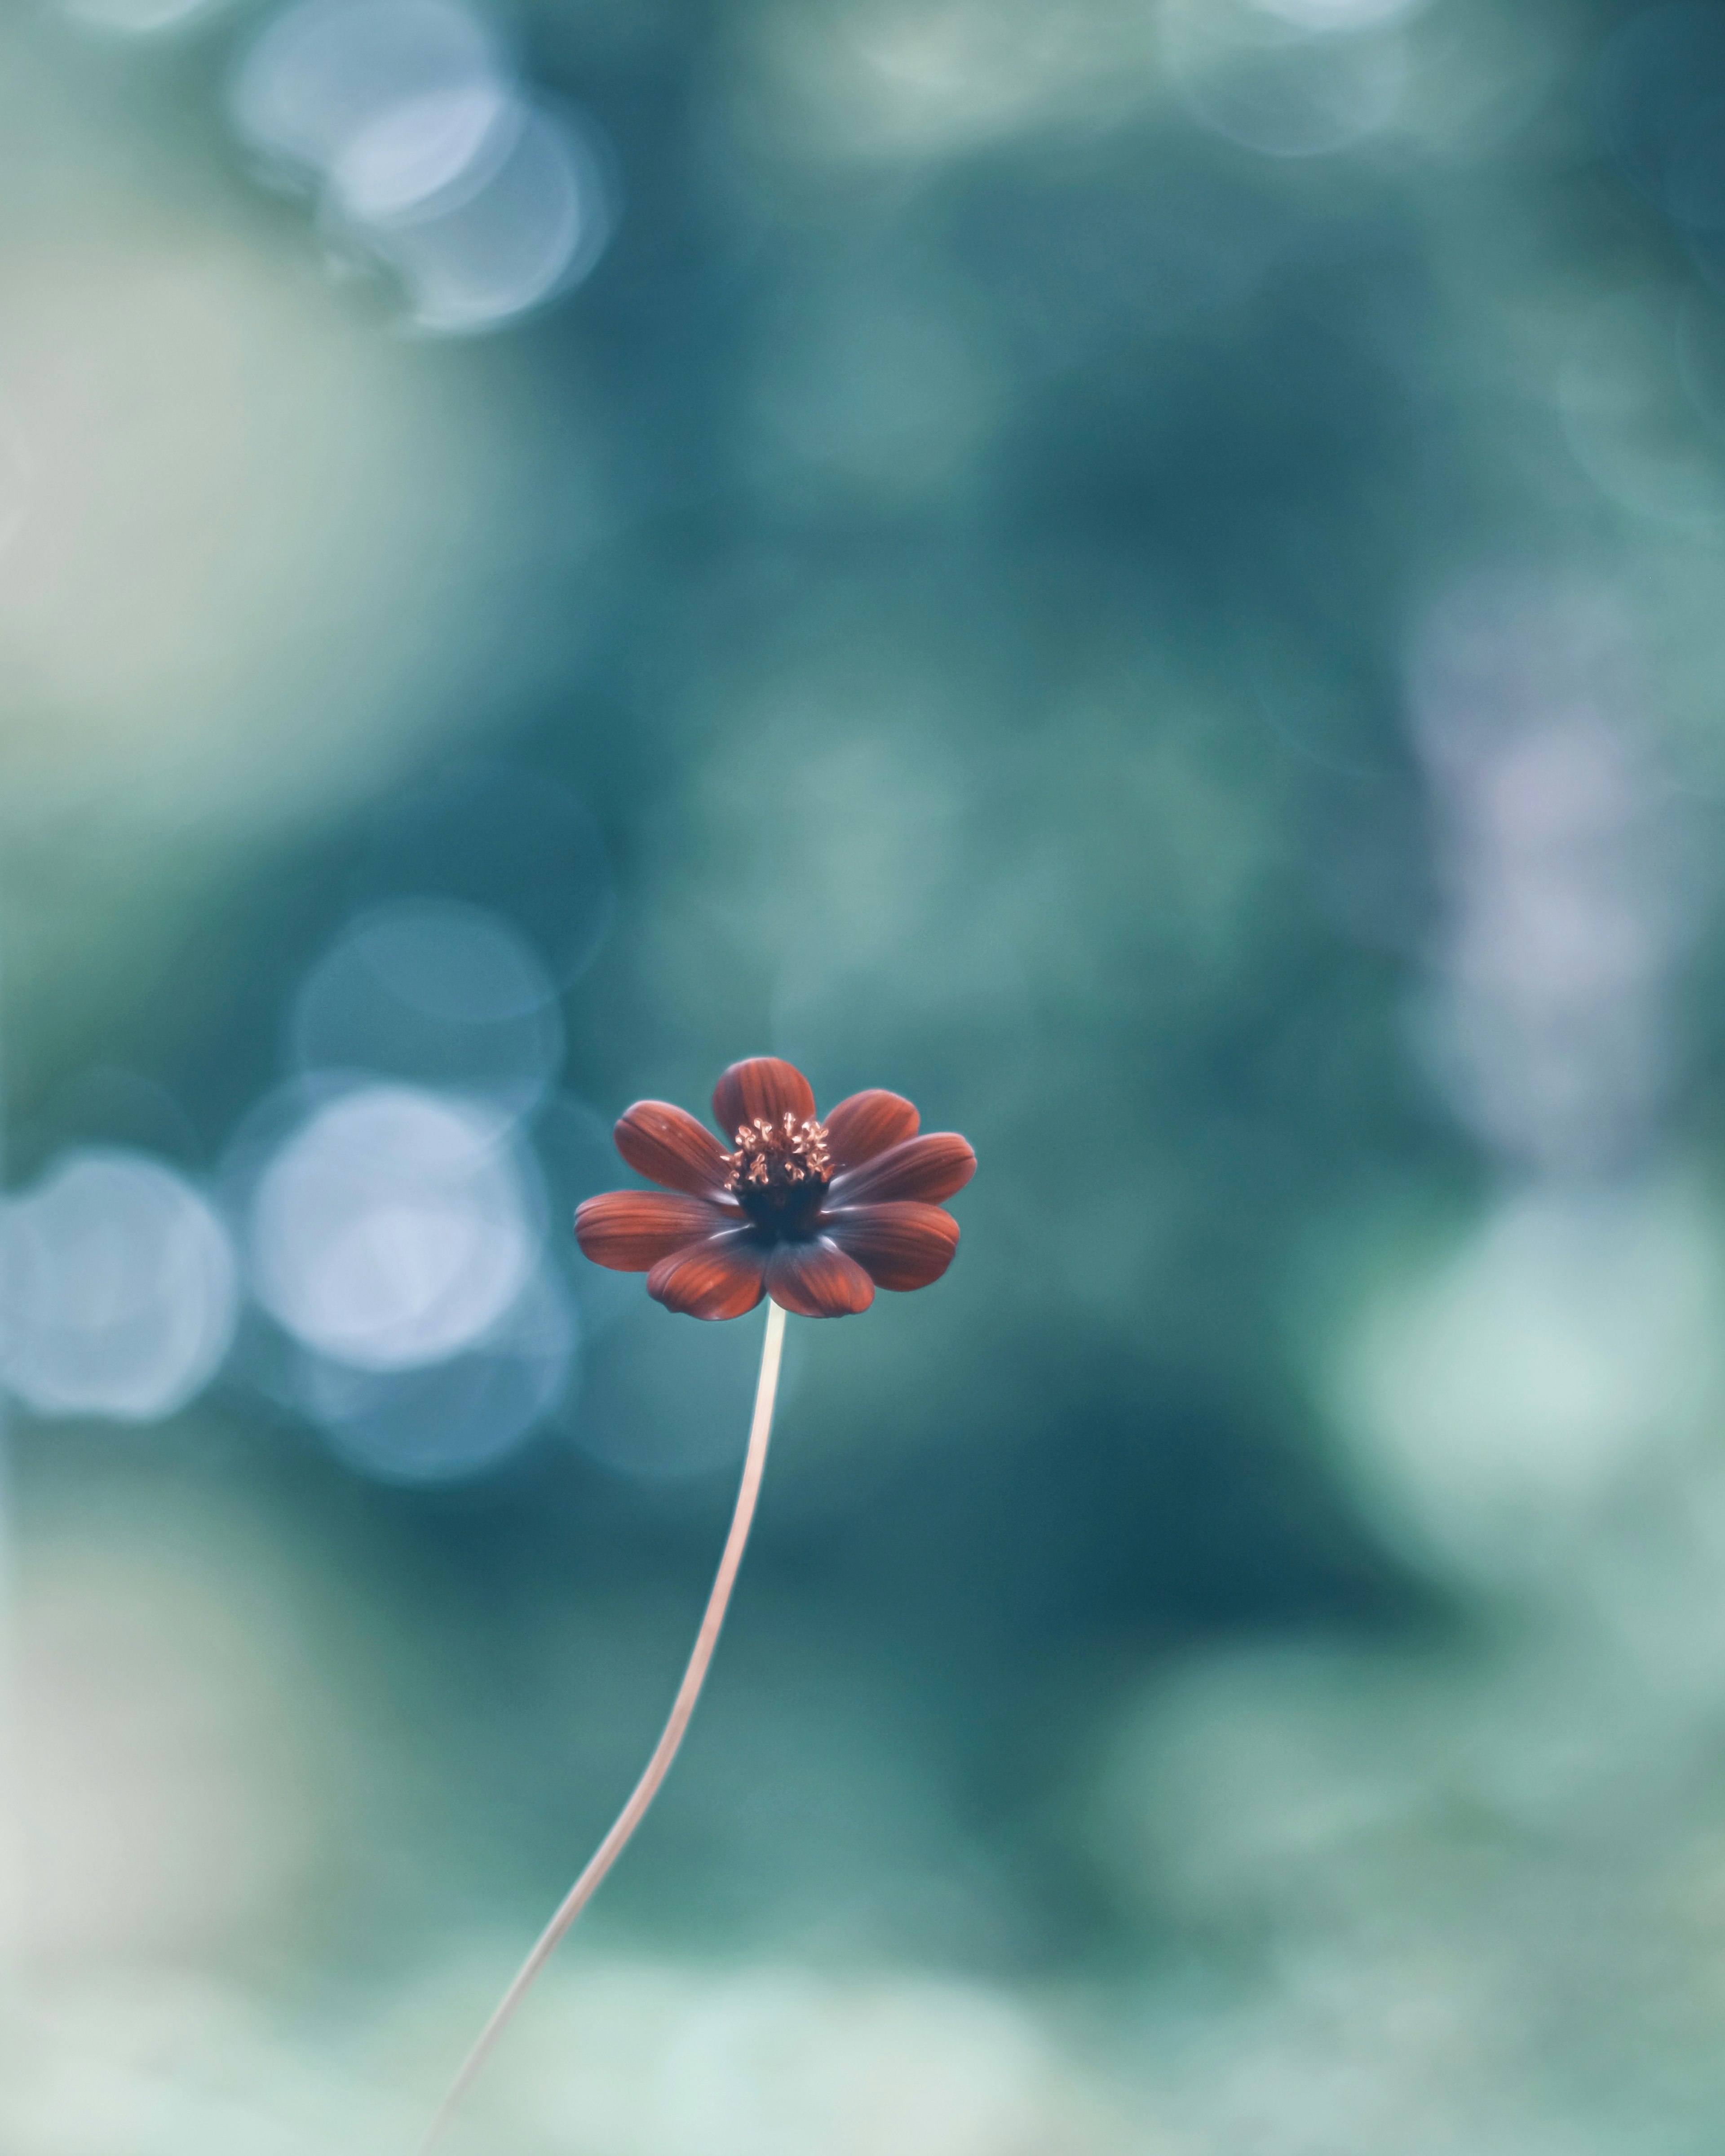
(1146, 572)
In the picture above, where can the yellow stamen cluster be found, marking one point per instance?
(778, 1161)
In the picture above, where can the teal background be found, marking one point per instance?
(1149, 577)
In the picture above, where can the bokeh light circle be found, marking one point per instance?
(1626, 398)
(496, 836)
(425, 152)
(437, 991)
(1494, 1403)
(480, 255)
(119, 1290)
(323, 74)
(456, 1418)
(429, 158)
(393, 1229)
(1301, 79)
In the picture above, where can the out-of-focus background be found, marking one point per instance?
(1150, 573)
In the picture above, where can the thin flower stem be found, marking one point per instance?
(612, 1847)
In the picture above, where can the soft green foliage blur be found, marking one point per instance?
(1233, 1670)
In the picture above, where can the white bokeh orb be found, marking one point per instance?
(118, 1289)
(321, 76)
(456, 1419)
(394, 1228)
(428, 157)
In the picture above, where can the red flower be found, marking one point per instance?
(816, 1215)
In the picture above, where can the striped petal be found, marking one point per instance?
(901, 1245)
(667, 1146)
(816, 1280)
(866, 1124)
(928, 1169)
(763, 1086)
(722, 1277)
(630, 1230)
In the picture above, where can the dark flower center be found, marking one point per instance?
(780, 1170)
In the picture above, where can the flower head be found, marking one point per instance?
(816, 1214)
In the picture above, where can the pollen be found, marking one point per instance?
(780, 1165)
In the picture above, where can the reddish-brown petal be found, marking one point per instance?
(722, 1277)
(669, 1147)
(929, 1168)
(866, 1124)
(901, 1245)
(816, 1280)
(628, 1230)
(763, 1086)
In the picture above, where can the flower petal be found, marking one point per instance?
(669, 1147)
(763, 1086)
(628, 1230)
(816, 1280)
(900, 1246)
(929, 1168)
(722, 1277)
(866, 1124)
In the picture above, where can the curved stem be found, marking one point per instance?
(610, 1848)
